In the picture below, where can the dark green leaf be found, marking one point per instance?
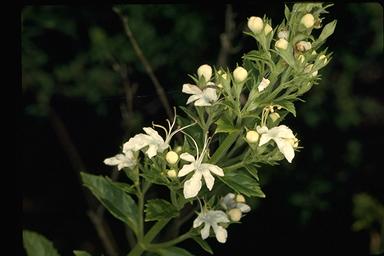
(81, 253)
(242, 183)
(123, 186)
(158, 209)
(203, 244)
(289, 106)
(224, 126)
(253, 171)
(37, 245)
(118, 203)
(173, 251)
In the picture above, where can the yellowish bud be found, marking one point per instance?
(172, 157)
(281, 44)
(234, 214)
(252, 137)
(267, 29)
(308, 20)
(274, 116)
(240, 74)
(240, 198)
(324, 58)
(303, 46)
(171, 173)
(301, 58)
(255, 24)
(205, 71)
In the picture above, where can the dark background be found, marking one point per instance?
(71, 88)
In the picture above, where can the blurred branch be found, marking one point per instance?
(96, 212)
(146, 64)
(226, 37)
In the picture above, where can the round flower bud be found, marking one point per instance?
(178, 149)
(324, 58)
(301, 58)
(308, 20)
(283, 34)
(255, 24)
(303, 46)
(252, 137)
(281, 44)
(274, 116)
(240, 74)
(205, 71)
(171, 173)
(234, 214)
(172, 157)
(267, 29)
(240, 198)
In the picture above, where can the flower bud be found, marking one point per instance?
(301, 58)
(314, 53)
(172, 157)
(274, 116)
(281, 44)
(263, 84)
(255, 24)
(205, 71)
(308, 20)
(171, 173)
(234, 214)
(178, 149)
(240, 198)
(283, 34)
(303, 46)
(324, 58)
(267, 29)
(240, 74)
(252, 137)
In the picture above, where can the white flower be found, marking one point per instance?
(126, 159)
(281, 44)
(200, 97)
(303, 46)
(263, 84)
(255, 24)
(205, 71)
(202, 170)
(240, 74)
(308, 20)
(282, 135)
(283, 34)
(212, 219)
(231, 202)
(252, 136)
(267, 29)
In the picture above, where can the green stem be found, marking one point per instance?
(154, 247)
(223, 148)
(234, 166)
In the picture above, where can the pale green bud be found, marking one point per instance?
(234, 214)
(252, 137)
(267, 29)
(255, 24)
(171, 173)
(240, 198)
(205, 71)
(281, 44)
(308, 20)
(240, 74)
(172, 157)
(274, 116)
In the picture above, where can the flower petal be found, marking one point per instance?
(154, 134)
(115, 160)
(219, 216)
(191, 89)
(192, 186)
(202, 102)
(220, 232)
(205, 231)
(214, 168)
(198, 221)
(187, 157)
(286, 148)
(193, 98)
(152, 150)
(264, 138)
(210, 94)
(136, 143)
(208, 178)
(243, 207)
(187, 168)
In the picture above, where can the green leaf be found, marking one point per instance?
(203, 244)
(158, 209)
(224, 126)
(123, 186)
(242, 183)
(289, 106)
(81, 253)
(173, 251)
(37, 245)
(253, 171)
(224, 147)
(117, 202)
(286, 12)
(325, 33)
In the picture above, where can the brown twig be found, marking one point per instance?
(146, 64)
(226, 37)
(95, 212)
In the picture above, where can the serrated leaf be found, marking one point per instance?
(242, 183)
(203, 244)
(117, 202)
(158, 209)
(81, 253)
(37, 245)
(173, 251)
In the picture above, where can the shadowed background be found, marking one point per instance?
(85, 91)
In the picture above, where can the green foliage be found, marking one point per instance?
(158, 209)
(367, 212)
(81, 253)
(242, 183)
(37, 245)
(173, 251)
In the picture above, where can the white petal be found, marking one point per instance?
(208, 178)
(136, 143)
(243, 207)
(205, 231)
(214, 168)
(262, 130)
(113, 160)
(187, 157)
(192, 186)
(152, 150)
(121, 166)
(264, 138)
(187, 168)
(286, 148)
(154, 134)
(202, 102)
(193, 98)
(191, 89)
(210, 94)
(281, 131)
(198, 221)
(219, 216)
(221, 233)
